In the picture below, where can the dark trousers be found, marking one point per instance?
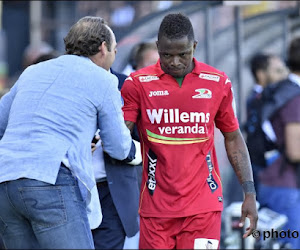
(1, 244)
(110, 234)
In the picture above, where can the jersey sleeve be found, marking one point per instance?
(226, 119)
(130, 94)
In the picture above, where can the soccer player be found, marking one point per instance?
(176, 103)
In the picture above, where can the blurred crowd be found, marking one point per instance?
(120, 14)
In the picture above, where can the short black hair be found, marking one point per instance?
(259, 61)
(176, 26)
(293, 57)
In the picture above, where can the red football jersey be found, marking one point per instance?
(176, 125)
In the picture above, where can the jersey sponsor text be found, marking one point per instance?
(148, 78)
(152, 161)
(174, 116)
(213, 185)
(209, 77)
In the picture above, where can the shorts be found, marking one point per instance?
(201, 231)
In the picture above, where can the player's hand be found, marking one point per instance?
(249, 210)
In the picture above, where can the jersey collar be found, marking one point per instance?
(196, 69)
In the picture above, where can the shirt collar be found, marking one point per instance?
(294, 78)
(198, 67)
(258, 88)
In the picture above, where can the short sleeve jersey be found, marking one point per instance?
(176, 125)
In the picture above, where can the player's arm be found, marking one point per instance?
(129, 125)
(131, 109)
(238, 156)
(137, 156)
(131, 106)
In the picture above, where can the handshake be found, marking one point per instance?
(134, 160)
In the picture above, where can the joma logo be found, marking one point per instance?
(158, 93)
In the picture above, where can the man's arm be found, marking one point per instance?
(239, 158)
(115, 136)
(5, 105)
(134, 157)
